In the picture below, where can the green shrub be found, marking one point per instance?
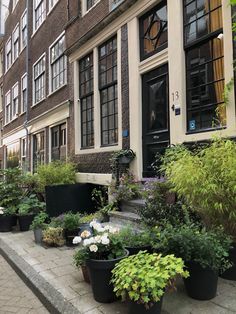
(39, 221)
(206, 179)
(132, 238)
(53, 236)
(71, 221)
(30, 204)
(143, 278)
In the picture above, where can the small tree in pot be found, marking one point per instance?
(38, 225)
(71, 223)
(144, 278)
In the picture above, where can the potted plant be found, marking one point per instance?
(53, 236)
(143, 279)
(204, 253)
(135, 241)
(6, 218)
(100, 254)
(38, 224)
(29, 206)
(123, 156)
(71, 223)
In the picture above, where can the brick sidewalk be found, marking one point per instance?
(56, 267)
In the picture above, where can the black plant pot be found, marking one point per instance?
(14, 220)
(135, 308)
(6, 223)
(202, 282)
(230, 273)
(135, 249)
(69, 235)
(100, 278)
(25, 221)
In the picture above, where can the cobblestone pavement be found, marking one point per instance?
(15, 296)
(55, 265)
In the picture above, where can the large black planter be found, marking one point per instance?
(135, 249)
(230, 273)
(14, 220)
(135, 308)
(25, 221)
(202, 282)
(69, 235)
(6, 223)
(100, 277)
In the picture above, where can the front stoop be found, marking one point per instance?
(124, 219)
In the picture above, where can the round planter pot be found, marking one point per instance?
(85, 273)
(38, 236)
(135, 308)
(25, 221)
(100, 277)
(69, 235)
(202, 282)
(230, 273)
(6, 223)
(124, 160)
(135, 249)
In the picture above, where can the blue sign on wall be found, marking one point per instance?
(192, 125)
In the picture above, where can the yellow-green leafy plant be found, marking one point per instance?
(206, 179)
(144, 278)
(53, 236)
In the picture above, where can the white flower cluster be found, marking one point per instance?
(77, 240)
(99, 228)
(1, 210)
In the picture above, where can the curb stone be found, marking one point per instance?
(52, 299)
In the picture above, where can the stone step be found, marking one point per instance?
(132, 206)
(122, 219)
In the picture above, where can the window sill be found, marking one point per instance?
(57, 90)
(87, 11)
(35, 31)
(10, 121)
(206, 130)
(37, 103)
(52, 8)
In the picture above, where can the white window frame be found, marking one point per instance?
(43, 73)
(8, 117)
(52, 4)
(15, 43)
(8, 53)
(23, 88)
(84, 6)
(23, 27)
(35, 8)
(14, 4)
(15, 89)
(51, 63)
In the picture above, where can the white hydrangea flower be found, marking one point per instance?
(107, 227)
(114, 230)
(85, 234)
(92, 223)
(1, 212)
(105, 240)
(97, 239)
(100, 229)
(93, 248)
(77, 240)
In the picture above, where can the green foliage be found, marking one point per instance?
(55, 173)
(80, 257)
(100, 197)
(143, 278)
(53, 236)
(30, 204)
(116, 157)
(132, 238)
(206, 180)
(71, 221)
(191, 243)
(89, 217)
(39, 221)
(57, 222)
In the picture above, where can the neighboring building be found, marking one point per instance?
(140, 74)
(148, 74)
(36, 83)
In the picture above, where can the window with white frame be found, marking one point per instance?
(1, 98)
(52, 3)
(39, 80)
(88, 4)
(14, 4)
(15, 100)
(23, 154)
(24, 92)
(24, 30)
(8, 54)
(58, 63)
(15, 43)
(8, 112)
(39, 13)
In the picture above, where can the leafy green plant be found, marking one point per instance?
(71, 221)
(30, 204)
(53, 236)
(194, 244)
(89, 217)
(143, 278)
(39, 221)
(79, 257)
(116, 157)
(206, 180)
(55, 173)
(57, 221)
(133, 238)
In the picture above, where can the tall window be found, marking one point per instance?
(38, 150)
(14, 4)
(52, 3)
(39, 13)
(204, 64)
(8, 111)
(24, 30)
(15, 39)
(24, 92)
(86, 101)
(153, 31)
(90, 4)
(8, 54)
(39, 80)
(58, 64)
(23, 154)
(13, 155)
(58, 142)
(15, 100)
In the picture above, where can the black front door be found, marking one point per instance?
(156, 135)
